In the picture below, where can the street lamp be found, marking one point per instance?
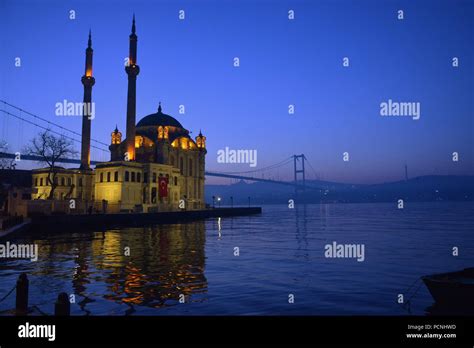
(219, 200)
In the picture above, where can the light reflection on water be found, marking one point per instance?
(281, 252)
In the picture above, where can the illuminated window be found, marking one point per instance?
(139, 141)
(201, 141)
(116, 137)
(184, 143)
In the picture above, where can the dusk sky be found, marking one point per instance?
(282, 62)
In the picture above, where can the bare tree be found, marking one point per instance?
(51, 149)
(6, 163)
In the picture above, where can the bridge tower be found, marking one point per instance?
(299, 171)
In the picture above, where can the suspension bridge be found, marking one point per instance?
(21, 118)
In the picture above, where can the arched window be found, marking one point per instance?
(108, 176)
(133, 176)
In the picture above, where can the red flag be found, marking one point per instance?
(163, 186)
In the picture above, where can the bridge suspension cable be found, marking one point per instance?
(47, 121)
(314, 171)
(48, 129)
(273, 166)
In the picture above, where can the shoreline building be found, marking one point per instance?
(157, 167)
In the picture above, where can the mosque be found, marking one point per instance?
(157, 167)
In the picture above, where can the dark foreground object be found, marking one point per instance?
(456, 288)
(70, 222)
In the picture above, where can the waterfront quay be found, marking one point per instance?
(99, 221)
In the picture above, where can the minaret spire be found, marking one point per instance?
(87, 81)
(132, 70)
(133, 24)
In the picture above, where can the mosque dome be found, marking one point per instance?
(159, 119)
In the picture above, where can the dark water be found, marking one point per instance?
(281, 253)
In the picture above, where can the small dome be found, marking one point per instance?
(159, 119)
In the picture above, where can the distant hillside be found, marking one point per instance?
(424, 188)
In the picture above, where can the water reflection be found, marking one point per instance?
(283, 253)
(148, 266)
(301, 229)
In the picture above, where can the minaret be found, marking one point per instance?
(201, 144)
(88, 81)
(132, 70)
